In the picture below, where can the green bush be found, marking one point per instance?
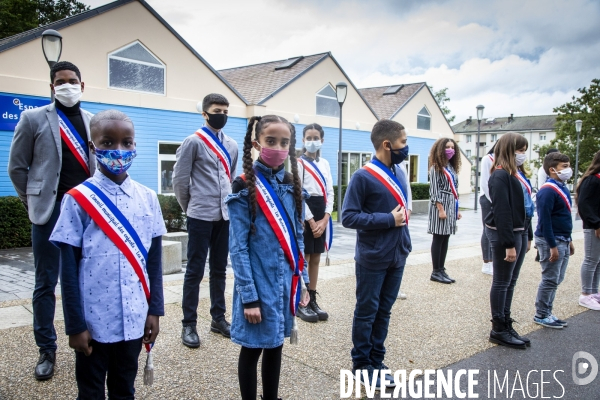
(172, 213)
(420, 191)
(335, 195)
(15, 227)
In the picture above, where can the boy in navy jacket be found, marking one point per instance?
(553, 236)
(376, 206)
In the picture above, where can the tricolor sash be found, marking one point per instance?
(561, 193)
(524, 181)
(116, 226)
(284, 231)
(491, 156)
(215, 145)
(74, 141)
(316, 173)
(598, 175)
(452, 181)
(390, 181)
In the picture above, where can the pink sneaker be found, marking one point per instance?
(589, 302)
(596, 296)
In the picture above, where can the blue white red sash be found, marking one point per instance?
(561, 193)
(316, 173)
(598, 175)
(390, 181)
(491, 156)
(452, 182)
(73, 139)
(524, 181)
(215, 145)
(118, 229)
(284, 231)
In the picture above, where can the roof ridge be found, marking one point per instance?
(270, 62)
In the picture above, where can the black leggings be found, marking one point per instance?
(439, 249)
(271, 368)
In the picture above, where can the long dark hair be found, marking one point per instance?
(437, 156)
(316, 127)
(256, 125)
(593, 169)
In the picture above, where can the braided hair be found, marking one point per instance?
(256, 125)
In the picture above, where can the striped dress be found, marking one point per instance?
(440, 192)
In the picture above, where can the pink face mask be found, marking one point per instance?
(449, 153)
(273, 158)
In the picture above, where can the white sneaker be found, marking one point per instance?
(589, 302)
(488, 268)
(401, 295)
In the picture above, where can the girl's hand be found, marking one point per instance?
(252, 315)
(528, 246)
(571, 248)
(511, 255)
(443, 214)
(305, 299)
(150, 329)
(459, 215)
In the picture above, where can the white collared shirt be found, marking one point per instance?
(312, 187)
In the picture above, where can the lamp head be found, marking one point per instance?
(51, 46)
(578, 125)
(341, 90)
(480, 112)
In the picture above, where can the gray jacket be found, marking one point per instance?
(35, 160)
(199, 180)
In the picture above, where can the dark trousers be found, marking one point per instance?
(46, 258)
(270, 372)
(203, 235)
(505, 273)
(439, 250)
(113, 363)
(376, 292)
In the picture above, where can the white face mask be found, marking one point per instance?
(67, 94)
(312, 146)
(520, 158)
(565, 174)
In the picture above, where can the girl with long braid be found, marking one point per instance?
(266, 249)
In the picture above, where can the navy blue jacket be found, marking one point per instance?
(554, 217)
(367, 208)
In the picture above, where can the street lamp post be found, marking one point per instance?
(52, 48)
(576, 174)
(479, 117)
(341, 89)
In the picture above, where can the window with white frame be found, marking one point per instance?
(469, 153)
(494, 137)
(468, 138)
(327, 104)
(352, 162)
(166, 162)
(135, 68)
(542, 137)
(424, 119)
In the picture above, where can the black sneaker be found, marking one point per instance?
(223, 327)
(388, 377)
(306, 314)
(45, 365)
(189, 336)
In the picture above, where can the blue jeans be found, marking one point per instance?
(46, 258)
(553, 273)
(202, 236)
(376, 292)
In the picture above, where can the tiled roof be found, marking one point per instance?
(260, 81)
(518, 124)
(386, 106)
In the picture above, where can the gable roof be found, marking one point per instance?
(27, 36)
(508, 124)
(260, 82)
(388, 105)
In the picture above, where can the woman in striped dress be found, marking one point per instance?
(444, 163)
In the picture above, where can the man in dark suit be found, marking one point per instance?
(50, 155)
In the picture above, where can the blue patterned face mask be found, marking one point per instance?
(115, 161)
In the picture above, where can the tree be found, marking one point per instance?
(587, 109)
(18, 16)
(441, 96)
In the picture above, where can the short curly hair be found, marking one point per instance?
(62, 66)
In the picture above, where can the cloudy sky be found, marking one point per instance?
(512, 56)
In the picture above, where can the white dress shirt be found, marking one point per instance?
(312, 187)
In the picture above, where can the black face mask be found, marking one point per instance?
(217, 121)
(399, 155)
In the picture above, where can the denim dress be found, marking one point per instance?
(262, 272)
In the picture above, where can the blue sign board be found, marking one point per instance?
(11, 107)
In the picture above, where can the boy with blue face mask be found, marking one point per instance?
(553, 236)
(109, 235)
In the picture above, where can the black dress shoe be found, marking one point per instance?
(443, 272)
(189, 336)
(437, 276)
(306, 314)
(223, 327)
(45, 366)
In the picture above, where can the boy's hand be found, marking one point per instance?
(252, 315)
(528, 246)
(151, 329)
(598, 233)
(511, 255)
(553, 254)
(571, 248)
(81, 342)
(399, 216)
